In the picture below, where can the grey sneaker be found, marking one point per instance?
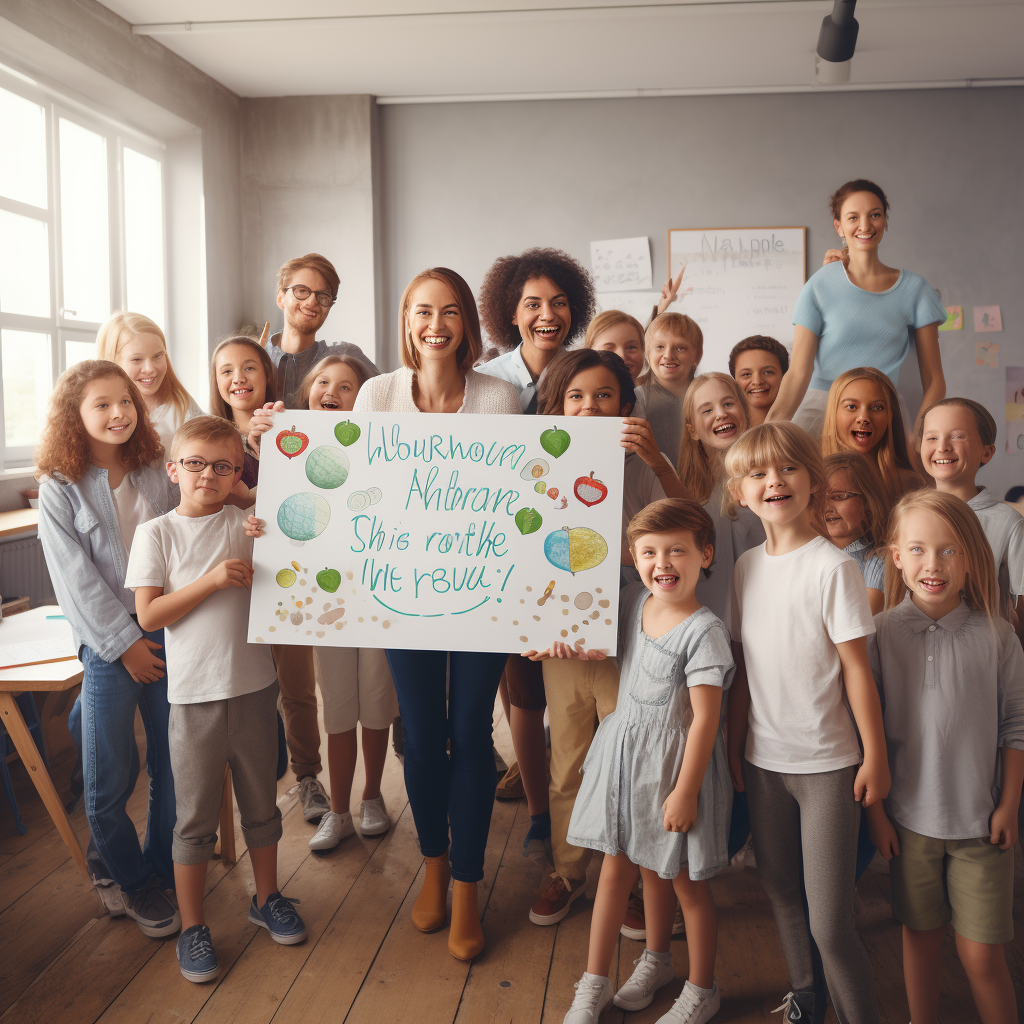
(650, 974)
(593, 994)
(313, 797)
(151, 910)
(374, 815)
(690, 1008)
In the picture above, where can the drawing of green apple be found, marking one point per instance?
(528, 520)
(555, 441)
(329, 580)
(346, 432)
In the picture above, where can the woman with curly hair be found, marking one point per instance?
(532, 306)
(99, 483)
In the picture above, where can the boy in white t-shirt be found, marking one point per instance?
(191, 571)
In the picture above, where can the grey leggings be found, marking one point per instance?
(805, 841)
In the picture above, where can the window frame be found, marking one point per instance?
(57, 326)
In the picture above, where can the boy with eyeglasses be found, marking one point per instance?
(191, 571)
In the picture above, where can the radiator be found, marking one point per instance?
(23, 571)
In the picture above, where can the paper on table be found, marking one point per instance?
(621, 263)
(31, 638)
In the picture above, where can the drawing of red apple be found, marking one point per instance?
(292, 442)
(590, 491)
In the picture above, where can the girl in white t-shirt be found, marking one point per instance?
(801, 619)
(139, 347)
(355, 682)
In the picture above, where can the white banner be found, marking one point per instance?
(439, 532)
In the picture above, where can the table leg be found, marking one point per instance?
(26, 747)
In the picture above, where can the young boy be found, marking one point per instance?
(674, 345)
(191, 572)
(957, 439)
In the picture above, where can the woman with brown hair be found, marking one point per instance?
(445, 697)
(859, 312)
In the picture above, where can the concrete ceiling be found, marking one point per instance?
(405, 48)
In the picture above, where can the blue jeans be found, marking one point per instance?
(453, 790)
(102, 723)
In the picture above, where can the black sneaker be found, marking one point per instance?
(152, 911)
(195, 953)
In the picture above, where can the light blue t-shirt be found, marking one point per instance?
(859, 328)
(871, 566)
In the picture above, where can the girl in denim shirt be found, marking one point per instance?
(95, 462)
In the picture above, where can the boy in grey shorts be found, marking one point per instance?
(191, 571)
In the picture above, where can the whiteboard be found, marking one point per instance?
(745, 281)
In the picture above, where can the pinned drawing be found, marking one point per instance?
(575, 549)
(590, 491)
(954, 319)
(986, 353)
(987, 318)
(555, 441)
(347, 432)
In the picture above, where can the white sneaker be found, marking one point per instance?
(689, 1008)
(313, 797)
(333, 828)
(374, 814)
(593, 994)
(650, 974)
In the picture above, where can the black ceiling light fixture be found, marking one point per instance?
(836, 43)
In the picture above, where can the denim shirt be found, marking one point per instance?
(81, 539)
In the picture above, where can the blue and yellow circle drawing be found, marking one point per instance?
(303, 516)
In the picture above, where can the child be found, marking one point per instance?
(191, 570)
(855, 515)
(656, 790)
(759, 363)
(587, 382)
(959, 437)
(801, 616)
(139, 347)
(951, 674)
(97, 486)
(355, 682)
(863, 415)
(674, 345)
(618, 332)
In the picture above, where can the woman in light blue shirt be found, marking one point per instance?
(860, 313)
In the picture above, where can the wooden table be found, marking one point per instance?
(52, 677)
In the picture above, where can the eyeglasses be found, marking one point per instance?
(301, 292)
(197, 465)
(843, 495)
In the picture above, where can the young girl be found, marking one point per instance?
(856, 514)
(656, 790)
(959, 437)
(587, 382)
(863, 416)
(674, 345)
(758, 364)
(618, 332)
(138, 346)
(241, 380)
(98, 483)
(859, 313)
(355, 682)
(951, 673)
(802, 617)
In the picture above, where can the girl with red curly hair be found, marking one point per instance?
(98, 483)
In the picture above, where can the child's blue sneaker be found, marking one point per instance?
(278, 916)
(196, 956)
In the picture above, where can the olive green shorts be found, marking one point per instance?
(968, 882)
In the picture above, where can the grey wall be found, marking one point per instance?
(309, 185)
(464, 183)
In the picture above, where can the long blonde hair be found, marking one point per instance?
(124, 327)
(699, 469)
(980, 586)
(890, 454)
(768, 444)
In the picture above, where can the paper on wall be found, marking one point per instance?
(954, 319)
(442, 532)
(621, 264)
(986, 353)
(987, 318)
(1015, 410)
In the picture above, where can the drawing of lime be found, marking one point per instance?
(285, 578)
(303, 516)
(327, 467)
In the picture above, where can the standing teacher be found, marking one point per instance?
(451, 790)
(860, 314)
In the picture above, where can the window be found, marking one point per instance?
(81, 234)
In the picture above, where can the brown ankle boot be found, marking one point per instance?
(466, 937)
(430, 911)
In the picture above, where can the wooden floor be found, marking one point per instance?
(62, 961)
